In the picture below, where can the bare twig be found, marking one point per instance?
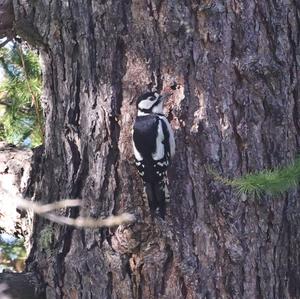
(91, 222)
(44, 211)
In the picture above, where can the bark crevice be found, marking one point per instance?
(237, 110)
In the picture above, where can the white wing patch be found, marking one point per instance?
(171, 138)
(136, 153)
(160, 148)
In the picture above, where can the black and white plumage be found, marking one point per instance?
(153, 146)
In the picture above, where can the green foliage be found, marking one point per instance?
(267, 181)
(21, 115)
(46, 238)
(13, 249)
(12, 253)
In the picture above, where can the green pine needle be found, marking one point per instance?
(267, 181)
(20, 109)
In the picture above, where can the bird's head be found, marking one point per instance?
(151, 102)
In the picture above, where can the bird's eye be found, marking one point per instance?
(151, 99)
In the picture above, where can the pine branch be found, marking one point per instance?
(22, 85)
(35, 101)
(267, 181)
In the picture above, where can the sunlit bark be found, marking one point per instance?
(237, 110)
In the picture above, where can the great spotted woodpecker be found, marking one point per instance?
(153, 147)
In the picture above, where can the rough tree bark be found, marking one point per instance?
(21, 286)
(237, 110)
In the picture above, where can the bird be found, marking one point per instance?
(153, 148)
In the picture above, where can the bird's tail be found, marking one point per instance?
(158, 195)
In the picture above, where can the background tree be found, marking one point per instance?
(236, 110)
(21, 119)
(12, 254)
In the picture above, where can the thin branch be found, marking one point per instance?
(87, 222)
(42, 209)
(270, 181)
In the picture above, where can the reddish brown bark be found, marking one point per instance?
(237, 110)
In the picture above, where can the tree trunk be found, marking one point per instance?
(20, 286)
(236, 110)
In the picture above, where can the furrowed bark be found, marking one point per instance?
(20, 286)
(6, 17)
(237, 110)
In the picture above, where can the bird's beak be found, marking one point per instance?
(165, 96)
